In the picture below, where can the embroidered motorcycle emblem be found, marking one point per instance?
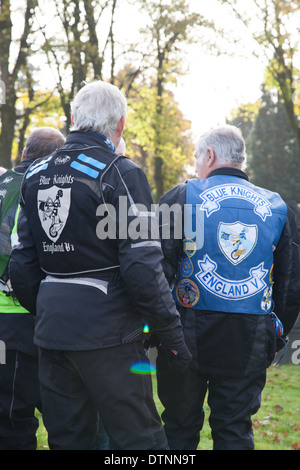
(237, 240)
(53, 209)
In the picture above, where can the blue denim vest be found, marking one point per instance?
(231, 229)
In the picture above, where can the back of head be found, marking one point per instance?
(228, 144)
(42, 142)
(98, 106)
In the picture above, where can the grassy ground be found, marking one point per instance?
(277, 423)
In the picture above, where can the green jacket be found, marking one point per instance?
(10, 183)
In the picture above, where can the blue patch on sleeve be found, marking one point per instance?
(91, 161)
(85, 169)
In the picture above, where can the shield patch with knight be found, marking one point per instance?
(237, 240)
(53, 208)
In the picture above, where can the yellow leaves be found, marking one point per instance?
(149, 134)
(44, 110)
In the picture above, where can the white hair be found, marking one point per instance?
(228, 144)
(98, 106)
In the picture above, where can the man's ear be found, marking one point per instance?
(121, 126)
(211, 157)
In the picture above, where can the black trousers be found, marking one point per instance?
(19, 396)
(77, 385)
(232, 402)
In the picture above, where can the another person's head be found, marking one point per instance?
(42, 142)
(121, 149)
(220, 147)
(101, 107)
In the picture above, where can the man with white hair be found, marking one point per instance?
(90, 265)
(235, 266)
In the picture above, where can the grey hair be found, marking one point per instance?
(98, 106)
(42, 142)
(228, 144)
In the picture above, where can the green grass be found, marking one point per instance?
(41, 435)
(276, 425)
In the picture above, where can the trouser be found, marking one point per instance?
(77, 385)
(232, 402)
(19, 396)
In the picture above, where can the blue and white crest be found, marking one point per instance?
(53, 208)
(237, 240)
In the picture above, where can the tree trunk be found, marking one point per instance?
(9, 115)
(7, 110)
(158, 157)
(158, 178)
(8, 118)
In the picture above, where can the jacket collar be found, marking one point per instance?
(86, 138)
(24, 164)
(229, 171)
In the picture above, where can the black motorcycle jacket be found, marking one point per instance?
(89, 258)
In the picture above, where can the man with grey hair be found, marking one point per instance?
(235, 266)
(41, 142)
(98, 287)
(19, 384)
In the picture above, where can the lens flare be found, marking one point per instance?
(146, 329)
(142, 368)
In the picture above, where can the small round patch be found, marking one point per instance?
(189, 247)
(187, 293)
(186, 267)
(266, 302)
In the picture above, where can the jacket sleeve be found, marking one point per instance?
(24, 268)
(286, 289)
(171, 229)
(140, 254)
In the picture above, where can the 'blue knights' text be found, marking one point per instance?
(213, 196)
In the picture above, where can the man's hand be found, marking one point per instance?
(172, 346)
